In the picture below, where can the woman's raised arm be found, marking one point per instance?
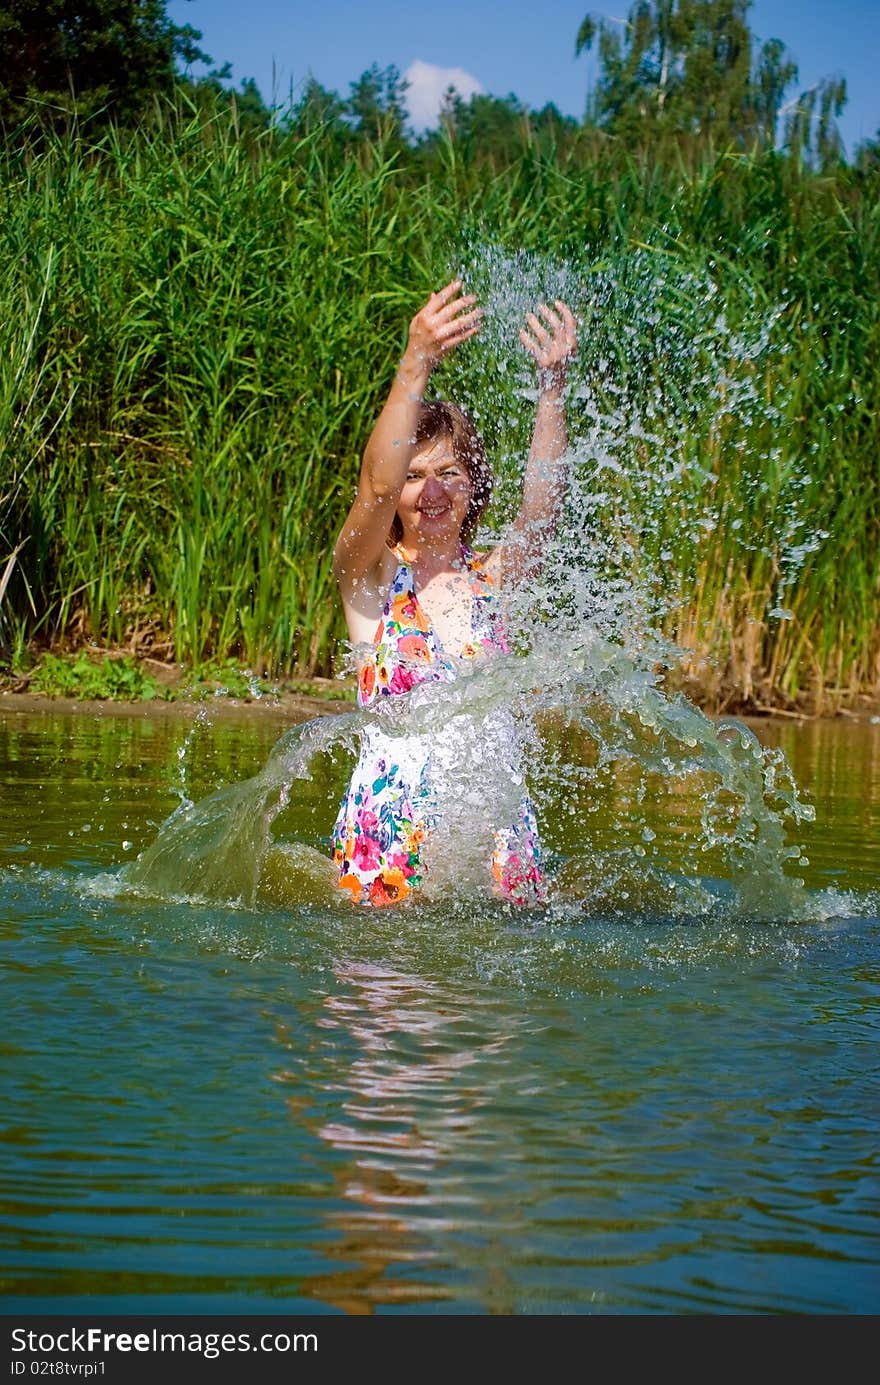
(448, 318)
(552, 342)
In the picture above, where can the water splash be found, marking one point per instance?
(219, 848)
(678, 473)
(671, 434)
(223, 848)
(201, 721)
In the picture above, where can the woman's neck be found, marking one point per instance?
(429, 560)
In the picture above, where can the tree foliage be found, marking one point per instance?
(88, 57)
(376, 105)
(693, 68)
(495, 129)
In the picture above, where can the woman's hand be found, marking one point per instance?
(447, 319)
(552, 342)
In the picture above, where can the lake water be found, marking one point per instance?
(614, 1106)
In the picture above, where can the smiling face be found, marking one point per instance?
(436, 496)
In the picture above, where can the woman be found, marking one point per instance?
(420, 606)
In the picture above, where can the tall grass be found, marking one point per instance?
(200, 327)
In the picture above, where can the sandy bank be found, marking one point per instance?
(283, 707)
(293, 707)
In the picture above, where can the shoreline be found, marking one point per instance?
(293, 707)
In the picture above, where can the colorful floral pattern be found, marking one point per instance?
(386, 813)
(406, 650)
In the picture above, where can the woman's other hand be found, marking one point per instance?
(552, 342)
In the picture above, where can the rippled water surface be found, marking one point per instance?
(454, 1107)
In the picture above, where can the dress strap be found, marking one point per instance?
(486, 620)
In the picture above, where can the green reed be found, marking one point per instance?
(201, 325)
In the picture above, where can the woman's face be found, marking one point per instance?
(436, 495)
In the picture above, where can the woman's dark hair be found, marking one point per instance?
(438, 418)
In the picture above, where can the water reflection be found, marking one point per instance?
(405, 1123)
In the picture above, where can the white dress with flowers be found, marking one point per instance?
(398, 801)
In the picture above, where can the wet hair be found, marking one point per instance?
(438, 418)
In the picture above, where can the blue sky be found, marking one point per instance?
(502, 46)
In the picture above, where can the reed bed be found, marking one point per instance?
(200, 325)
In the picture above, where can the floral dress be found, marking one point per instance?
(395, 798)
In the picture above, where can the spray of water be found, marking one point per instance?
(662, 399)
(221, 847)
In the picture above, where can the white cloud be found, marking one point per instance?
(427, 87)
